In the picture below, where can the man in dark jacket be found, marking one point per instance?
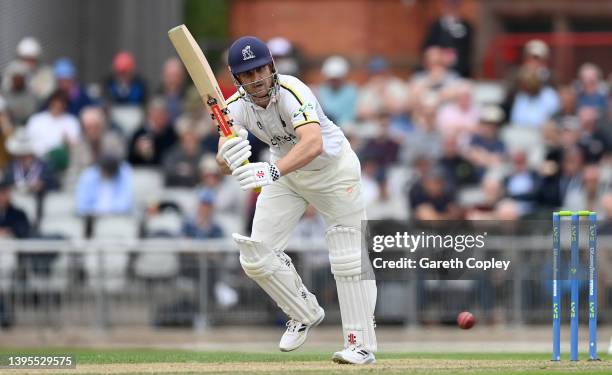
(150, 143)
(13, 221)
(454, 35)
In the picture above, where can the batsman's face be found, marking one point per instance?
(257, 82)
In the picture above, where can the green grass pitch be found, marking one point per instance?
(158, 361)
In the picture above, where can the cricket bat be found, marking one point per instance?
(203, 78)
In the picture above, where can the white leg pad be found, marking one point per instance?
(276, 275)
(357, 296)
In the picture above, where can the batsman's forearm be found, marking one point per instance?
(305, 151)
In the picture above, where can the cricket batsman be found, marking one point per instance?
(311, 162)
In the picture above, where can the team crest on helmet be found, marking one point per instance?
(247, 54)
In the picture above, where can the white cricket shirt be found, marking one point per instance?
(294, 106)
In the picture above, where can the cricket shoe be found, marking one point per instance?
(297, 333)
(355, 355)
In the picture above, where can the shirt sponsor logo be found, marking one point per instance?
(279, 140)
(302, 109)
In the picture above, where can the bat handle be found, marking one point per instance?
(230, 136)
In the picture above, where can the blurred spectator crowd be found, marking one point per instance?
(434, 145)
(439, 146)
(139, 159)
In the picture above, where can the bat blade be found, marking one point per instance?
(202, 75)
(203, 78)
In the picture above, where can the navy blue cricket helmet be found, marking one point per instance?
(246, 53)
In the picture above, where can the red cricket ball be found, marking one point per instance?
(466, 320)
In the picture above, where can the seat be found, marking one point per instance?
(26, 202)
(470, 196)
(115, 227)
(8, 264)
(107, 269)
(185, 198)
(66, 226)
(524, 138)
(127, 117)
(168, 223)
(148, 185)
(156, 265)
(58, 278)
(489, 92)
(399, 178)
(229, 223)
(59, 204)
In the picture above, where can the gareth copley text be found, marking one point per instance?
(455, 263)
(413, 242)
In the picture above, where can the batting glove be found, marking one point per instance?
(255, 175)
(235, 151)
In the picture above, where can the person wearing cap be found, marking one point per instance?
(154, 138)
(20, 101)
(65, 74)
(311, 162)
(383, 92)
(14, 222)
(125, 87)
(337, 95)
(26, 172)
(202, 225)
(536, 55)
(105, 188)
(39, 79)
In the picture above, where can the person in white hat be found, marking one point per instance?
(28, 173)
(20, 100)
(40, 78)
(338, 96)
(537, 54)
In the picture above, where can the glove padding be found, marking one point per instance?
(235, 151)
(255, 175)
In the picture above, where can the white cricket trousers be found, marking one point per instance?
(335, 191)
